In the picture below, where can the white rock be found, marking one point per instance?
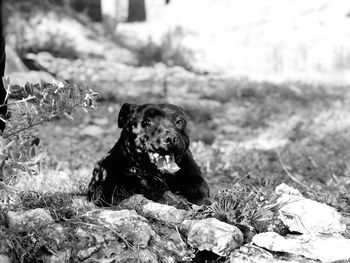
(286, 189)
(134, 202)
(304, 215)
(213, 235)
(253, 254)
(165, 213)
(325, 248)
(127, 223)
(168, 244)
(24, 220)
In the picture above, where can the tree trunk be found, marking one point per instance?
(137, 11)
(3, 109)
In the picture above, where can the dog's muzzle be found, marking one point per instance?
(164, 162)
(165, 152)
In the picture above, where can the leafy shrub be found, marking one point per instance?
(35, 105)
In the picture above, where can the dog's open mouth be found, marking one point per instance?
(166, 162)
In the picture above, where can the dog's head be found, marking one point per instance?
(154, 133)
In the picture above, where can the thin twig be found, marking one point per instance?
(290, 175)
(22, 129)
(7, 87)
(18, 101)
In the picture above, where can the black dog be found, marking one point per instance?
(150, 157)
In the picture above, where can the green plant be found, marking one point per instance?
(34, 105)
(253, 210)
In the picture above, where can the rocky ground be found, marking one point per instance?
(248, 137)
(140, 230)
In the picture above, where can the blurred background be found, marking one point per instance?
(264, 83)
(265, 40)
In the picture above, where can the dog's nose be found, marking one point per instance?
(171, 139)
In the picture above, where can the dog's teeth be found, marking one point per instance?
(156, 156)
(167, 159)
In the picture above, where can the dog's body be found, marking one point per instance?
(150, 157)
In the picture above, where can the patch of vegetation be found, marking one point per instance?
(322, 162)
(59, 204)
(19, 143)
(252, 209)
(264, 102)
(170, 51)
(34, 244)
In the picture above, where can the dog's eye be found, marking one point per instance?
(146, 123)
(180, 122)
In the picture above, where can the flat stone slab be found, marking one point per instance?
(307, 216)
(326, 248)
(213, 235)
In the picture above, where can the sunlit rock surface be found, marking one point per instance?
(254, 254)
(320, 227)
(325, 248)
(163, 245)
(213, 235)
(165, 213)
(304, 215)
(140, 230)
(126, 222)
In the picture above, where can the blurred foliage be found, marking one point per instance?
(23, 18)
(170, 51)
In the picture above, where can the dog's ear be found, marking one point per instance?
(181, 110)
(124, 114)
